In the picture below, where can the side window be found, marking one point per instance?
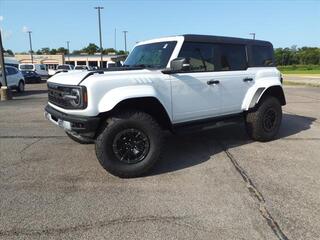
(233, 57)
(42, 67)
(200, 56)
(10, 71)
(262, 56)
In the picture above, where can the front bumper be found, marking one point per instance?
(84, 126)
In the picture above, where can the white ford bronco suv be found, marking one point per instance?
(170, 84)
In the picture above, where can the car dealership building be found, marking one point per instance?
(51, 61)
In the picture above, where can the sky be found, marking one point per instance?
(283, 22)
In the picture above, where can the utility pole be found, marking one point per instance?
(30, 43)
(115, 39)
(99, 19)
(68, 47)
(125, 40)
(253, 35)
(4, 91)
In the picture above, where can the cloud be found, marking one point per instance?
(25, 29)
(1, 18)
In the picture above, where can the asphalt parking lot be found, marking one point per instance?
(216, 184)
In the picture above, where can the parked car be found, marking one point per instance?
(173, 83)
(81, 67)
(31, 77)
(15, 79)
(40, 69)
(11, 61)
(61, 68)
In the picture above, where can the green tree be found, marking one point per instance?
(294, 55)
(62, 50)
(53, 51)
(45, 50)
(9, 52)
(91, 49)
(76, 52)
(109, 50)
(122, 52)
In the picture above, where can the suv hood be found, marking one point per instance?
(76, 77)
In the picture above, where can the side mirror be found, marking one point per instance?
(178, 65)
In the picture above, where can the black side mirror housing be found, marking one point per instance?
(177, 65)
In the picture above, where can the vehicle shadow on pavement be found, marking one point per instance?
(187, 150)
(28, 93)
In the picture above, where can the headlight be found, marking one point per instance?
(76, 97)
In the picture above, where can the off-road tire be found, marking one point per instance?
(79, 139)
(133, 120)
(255, 121)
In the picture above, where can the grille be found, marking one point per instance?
(56, 93)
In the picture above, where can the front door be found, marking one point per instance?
(196, 93)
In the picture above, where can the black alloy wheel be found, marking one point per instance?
(131, 146)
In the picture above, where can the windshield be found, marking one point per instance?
(63, 67)
(154, 55)
(26, 67)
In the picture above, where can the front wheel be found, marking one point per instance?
(264, 123)
(130, 144)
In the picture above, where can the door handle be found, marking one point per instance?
(248, 79)
(212, 82)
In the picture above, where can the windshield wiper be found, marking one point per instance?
(146, 66)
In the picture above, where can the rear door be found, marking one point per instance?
(234, 78)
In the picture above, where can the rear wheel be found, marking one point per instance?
(130, 144)
(20, 87)
(264, 123)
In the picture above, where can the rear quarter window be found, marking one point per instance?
(262, 56)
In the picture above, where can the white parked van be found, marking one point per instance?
(38, 68)
(61, 68)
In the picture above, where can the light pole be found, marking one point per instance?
(99, 19)
(68, 47)
(253, 35)
(115, 39)
(30, 43)
(4, 91)
(125, 40)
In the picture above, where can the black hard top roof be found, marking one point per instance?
(220, 39)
